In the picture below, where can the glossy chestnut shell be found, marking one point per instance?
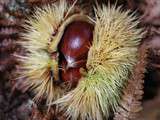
(73, 48)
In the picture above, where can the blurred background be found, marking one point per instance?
(15, 104)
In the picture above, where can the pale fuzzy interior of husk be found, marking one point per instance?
(110, 62)
(36, 63)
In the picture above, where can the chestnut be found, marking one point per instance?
(73, 48)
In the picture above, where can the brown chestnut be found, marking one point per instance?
(73, 48)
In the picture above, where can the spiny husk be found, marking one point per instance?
(110, 62)
(37, 63)
(42, 25)
(43, 34)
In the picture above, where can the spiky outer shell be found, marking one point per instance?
(44, 30)
(110, 62)
(110, 59)
(40, 63)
